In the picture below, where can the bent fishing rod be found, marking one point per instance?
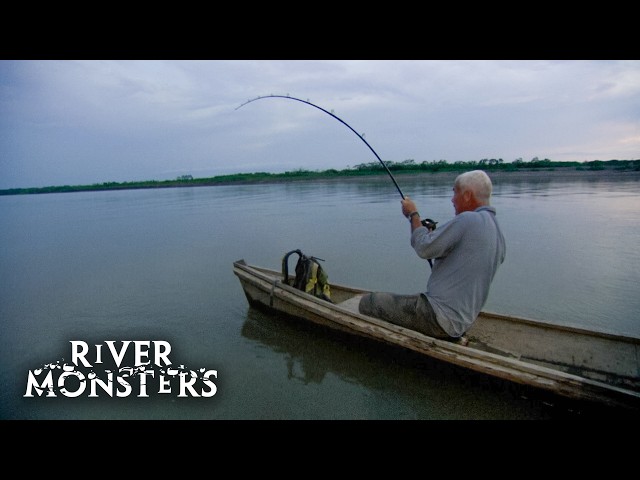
(427, 222)
(337, 118)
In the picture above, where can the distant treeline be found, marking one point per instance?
(372, 168)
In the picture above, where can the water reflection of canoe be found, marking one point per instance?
(572, 362)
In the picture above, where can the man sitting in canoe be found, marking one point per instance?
(466, 253)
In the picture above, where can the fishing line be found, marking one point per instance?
(337, 118)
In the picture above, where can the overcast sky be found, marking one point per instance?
(75, 122)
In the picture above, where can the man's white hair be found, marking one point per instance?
(478, 182)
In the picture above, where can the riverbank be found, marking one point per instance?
(569, 173)
(556, 172)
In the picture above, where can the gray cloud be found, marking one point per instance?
(79, 122)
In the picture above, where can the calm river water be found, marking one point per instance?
(147, 265)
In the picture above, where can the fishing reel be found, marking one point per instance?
(430, 224)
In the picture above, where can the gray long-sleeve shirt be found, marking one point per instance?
(467, 251)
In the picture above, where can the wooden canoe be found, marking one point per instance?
(572, 362)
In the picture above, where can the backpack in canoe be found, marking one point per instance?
(310, 276)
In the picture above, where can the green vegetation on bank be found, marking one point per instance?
(372, 168)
